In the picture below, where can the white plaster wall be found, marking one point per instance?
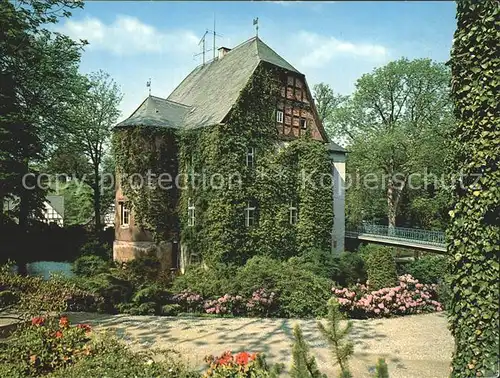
(338, 232)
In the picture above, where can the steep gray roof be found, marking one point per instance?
(212, 89)
(207, 94)
(57, 203)
(156, 111)
(334, 147)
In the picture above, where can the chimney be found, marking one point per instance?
(223, 51)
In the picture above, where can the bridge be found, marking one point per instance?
(400, 236)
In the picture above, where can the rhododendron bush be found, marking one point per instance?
(409, 297)
(261, 303)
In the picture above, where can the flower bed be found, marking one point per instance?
(261, 303)
(409, 297)
(240, 365)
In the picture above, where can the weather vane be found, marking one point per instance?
(256, 23)
(148, 84)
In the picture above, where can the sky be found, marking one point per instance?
(332, 42)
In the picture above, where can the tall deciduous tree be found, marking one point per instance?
(96, 113)
(326, 102)
(38, 70)
(474, 231)
(396, 123)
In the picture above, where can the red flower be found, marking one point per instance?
(85, 327)
(242, 358)
(38, 321)
(64, 322)
(58, 334)
(225, 359)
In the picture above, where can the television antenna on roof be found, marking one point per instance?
(203, 43)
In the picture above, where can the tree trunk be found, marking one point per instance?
(392, 204)
(97, 199)
(393, 196)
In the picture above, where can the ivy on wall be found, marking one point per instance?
(142, 154)
(474, 232)
(278, 177)
(216, 179)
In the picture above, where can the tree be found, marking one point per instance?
(381, 369)
(39, 70)
(336, 337)
(326, 102)
(474, 230)
(303, 364)
(94, 116)
(396, 124)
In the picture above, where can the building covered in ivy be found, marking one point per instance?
(234, 163)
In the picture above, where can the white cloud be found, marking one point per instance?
(319, 50)
(127, 35)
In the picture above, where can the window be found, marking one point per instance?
(191, 210)
(294, 214)
(251, 214)
(279, 116)
(124, 214)
(303, 123)
(250, 156)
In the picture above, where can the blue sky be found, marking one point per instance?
(331, 42)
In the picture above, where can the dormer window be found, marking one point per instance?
(250, 156)
(279, 116)
(303, 123)
(191, 212)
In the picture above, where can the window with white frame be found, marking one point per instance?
(294, 213)
(303, 123)
(250, 156)
(124, 214)
(251, 213)
(279, 116)
(191, 212)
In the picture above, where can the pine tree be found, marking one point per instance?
(381, 370)
(303, 365)
(336, 337)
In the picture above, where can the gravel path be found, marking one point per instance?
(418, 346)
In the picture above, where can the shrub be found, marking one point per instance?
(351, 269)
(259, 272)
(262, 303)
(97, 248)
(144, 268)
(301, 293)
(381, 267)
(381, 370)
(171, 309)
(240, 365)
(113, 360)
(429, 269)
(320, 262)
(303, 364)
(34, 295)
(226, 305)
(89, 265)
(112, 289)
(189, 301)
(44, 345)
(337, 336)
(409, 297)
(213, 282)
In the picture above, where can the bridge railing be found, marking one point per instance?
(403, 233)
